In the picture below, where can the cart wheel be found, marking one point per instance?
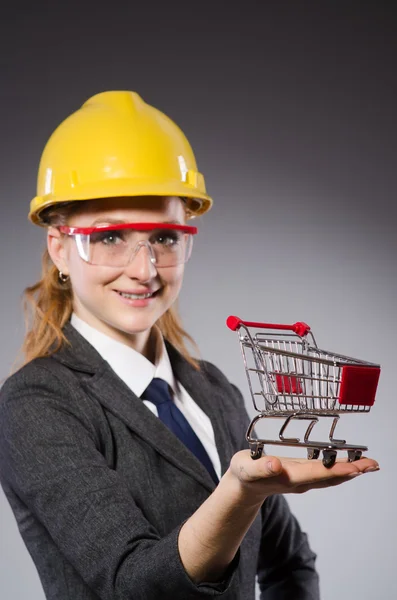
(313, 453)
(354, 455)
(329, 458)
(256, 452)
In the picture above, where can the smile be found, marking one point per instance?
(137, 296)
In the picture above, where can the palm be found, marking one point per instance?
(292, 475)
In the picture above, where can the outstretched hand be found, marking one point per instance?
(275, 475)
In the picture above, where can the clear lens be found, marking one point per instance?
(116, 248)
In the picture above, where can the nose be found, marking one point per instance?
(141, 265)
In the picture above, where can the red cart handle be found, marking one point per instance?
(299, 328)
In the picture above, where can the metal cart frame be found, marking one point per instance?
(293, 379)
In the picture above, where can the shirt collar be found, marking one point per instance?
(132, 367)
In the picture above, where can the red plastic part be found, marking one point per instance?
(300, 328)
(288, 384)
(233, 322)
(137, 226)
(358, 385)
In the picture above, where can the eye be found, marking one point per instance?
(108, 238)
(166, 237)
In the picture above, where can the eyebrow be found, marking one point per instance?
(121, 222)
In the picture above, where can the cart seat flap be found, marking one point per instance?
(288, 384)
(358, 385)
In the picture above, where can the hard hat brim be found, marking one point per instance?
(199, 203)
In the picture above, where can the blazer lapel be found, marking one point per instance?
(210, 400)
(117, 397)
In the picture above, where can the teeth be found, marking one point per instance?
(136, 296)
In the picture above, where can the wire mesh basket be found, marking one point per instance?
(291, 378)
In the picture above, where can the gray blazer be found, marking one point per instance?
(100, 487)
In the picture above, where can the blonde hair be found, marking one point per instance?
(48, 305)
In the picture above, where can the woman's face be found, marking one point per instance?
(97, 289)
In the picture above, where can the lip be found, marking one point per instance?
(140, 303)
(136, 291)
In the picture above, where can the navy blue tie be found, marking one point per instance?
(158, 393)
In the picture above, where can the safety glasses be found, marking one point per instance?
(168, 244)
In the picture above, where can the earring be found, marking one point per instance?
(62, 277)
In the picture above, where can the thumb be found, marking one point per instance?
(271, 466)
(263, 468)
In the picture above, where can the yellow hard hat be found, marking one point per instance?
(117, 145)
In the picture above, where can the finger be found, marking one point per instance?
(326, 483)
(317, 472)
(361, 464)
(267, 466)
(349, 466)
(248, 470)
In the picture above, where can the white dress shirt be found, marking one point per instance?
(137, 372)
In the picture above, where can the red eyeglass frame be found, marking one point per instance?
(138, 226)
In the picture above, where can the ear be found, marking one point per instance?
(57, 249)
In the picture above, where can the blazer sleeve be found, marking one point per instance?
(286, 564)
(49, 455)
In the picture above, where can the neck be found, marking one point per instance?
(144, 342)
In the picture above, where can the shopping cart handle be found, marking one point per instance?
(300, 328)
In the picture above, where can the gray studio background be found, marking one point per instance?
(291, 111)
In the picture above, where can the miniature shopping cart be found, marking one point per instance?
(289, 378)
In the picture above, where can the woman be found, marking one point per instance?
(123, 458)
